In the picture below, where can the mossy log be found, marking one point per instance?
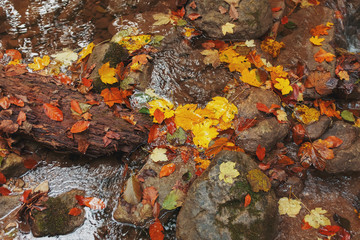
(36, 90)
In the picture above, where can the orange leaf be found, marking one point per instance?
(194, 16)
(150, 194)
(333, 141)
(129, 119)
(247, 200)
(322, 55)
(221, 144)
(284, 20)
(154, 133)
(21, 118)
(141, 58)
(75, 211)
(159, 116)
(91, 202)
(83, 145)
(25, 196)
(170, 125)
(305, 225)
(14, 54)
(80, 126)
(167, 169)
(156, 230)
(260, 152)
(328, 108)
(2, 178)
(298, 133)
(53, 112)
(284, 160)
(76, 106)
(320, 30)
(87, 82)
(192, 5)
(64, 79)
(244, 123)
(276, 9)
(30, 163)
(5, 103)
(4, 191)
(16, 101)
(114, 95)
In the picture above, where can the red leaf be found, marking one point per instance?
(64, 79)
(30, 163)
(16, 101)
(14, 54)
(199, 171)
(53, 112)
(329, 230)
(21, 118)
(284, 160)
(284, 20)
(156, 230)
(247, 200)
(4, 191)
(154, 133)
(276, 9)
(25, 196)
(263, 166)
(244, 123)
(305, 225)
(76, 106)
(5, 103)
(170, 125)
(91, 202)
(167, 169)
(262, 107)
(298, 133)
(86, 82)
(80, 126)
(192, 5)
(179, 13)
(333, 141)
(194, 16)
(260, 152)
(150, 194)
(75, 211)
(159, 116)
(2, 178)
(344, 235)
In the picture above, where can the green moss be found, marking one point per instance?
(115, 54)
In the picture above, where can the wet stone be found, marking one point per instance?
(13, 166)
(316, 129)
(214, 209)
(8, 203)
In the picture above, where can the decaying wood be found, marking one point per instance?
(37, 90)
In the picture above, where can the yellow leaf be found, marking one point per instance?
(227, 55)
(272, 47)
(227, 28)
(305, 114)
(204, 132)
(159, 155)
(219, 107)
(39, 63)
(283, 84)
(239, 64)
(133, 43)
(357, 123)
(161, 19)
(228, 172)
(163, 105)
(344, 75)
(250, 77)
(186, 117)
(14, 62)
(316, 218)
(258, 180)
(277, 72)
(316, 40)
(288, 206)
(202, 163)
(329, 24)
(86, 51)
(107, 74)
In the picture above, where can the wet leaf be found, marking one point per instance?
(186, 116)
(263, 108)
(227, 28)
(54, 113)
(75, 107)
(156, 230)
(329, 230)
(86, 51)
(107, 74)
(132, 193)
(80, 126)
(39, 63)
(4, 102)
(83, 145)
(30, 163)
(167, 169)
(14, 54)
(289, 206)
(150, 194)
(219, 145)
(328, 108)
(228, 172)
(242, 123)
(251, 77)
(2, 178)
(258, 180)
(234, 14)
(192, 5)
(4, 191)
(16, 101)
(316, 218)
(320, 30)
(86, 82)
(316, 40)
(21, 118)
(222, 10)
(260, 152)
(305, 114)
(298, 133)
(272, 47)
(64, 79)
(322, 82)
(25, 196)
(65, 57)
(154, 133)
(170, 125)
(75, 211)
(348, 116)
(283, 84)
(8, 126)
(91, 202)
(194, 16)
(322, 55)
(115, 95)
(161, 19)
(247, 200)
(343, 75)
(159, 155)
(173, 200)
(204, 133)
(158, 116)
(211, 57)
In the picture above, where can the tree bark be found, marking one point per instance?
(36, 90)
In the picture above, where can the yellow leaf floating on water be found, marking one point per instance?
(133, 43)
(39, 63)
(227, 28)
(289, 206)
(204, 132)
(107, 74)
(163, 105)
(316, 218)
(186, 117)
(86, 51)
(283, 84)
(228, 172)
(316, 40)
(250, 77)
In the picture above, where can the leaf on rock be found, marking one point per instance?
(91, 202)
(167, 169)
(343, 75)
(320, 30)
(322, 55)
(159, 155)
(86, 51)
(150, 194)
(227, 28)
(316, 218)
(219, 145)
(260, 152)
(305, 114)
(316, 40)
(247, 200)
(228, 172)
(194, 16)
(258, 180)
(158, 116)
(83, 145)
(173, 200)
(39, 63)
(283, 84)
(16, 101)
(192, 5)
(107, 74)
(114, 95)
(289, 206)
(4, 191)
(75, 211)
(204, 132)
(329, 230)
(163, 105)
(170, 125)
(80, 126)
(322, 81)
(298, 133)
(156, 230)
(251, 77)
(241, 123)
(328, 108)
(186, 116)
(211, 57)
(2, 178)
(234, 14)
(348, 116)
(54, 113)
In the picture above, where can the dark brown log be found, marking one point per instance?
(40, 89)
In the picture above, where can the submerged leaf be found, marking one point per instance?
(289, 206)
(258, 180)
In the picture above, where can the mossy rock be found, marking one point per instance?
(55, 219)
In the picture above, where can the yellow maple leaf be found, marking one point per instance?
(227, 55)
(316, 218)
(14, 62)
(86, 51)
(344, 75)
(163, 105)
(227, 28)
(204, 132)
(250, 77)
(239, 64)
(305, 114)
(276, 72)
(133, 43)
(283, 84)
(281, 115)
(219, 107)
(316, 40)
(272, 46)
(289, 206)
(228, 172)
(107, 74)
(162, 18)
(39, 63)
(202, 163)
(186, 117)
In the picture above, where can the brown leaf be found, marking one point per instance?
(15, 70)
(109, 136)
(234, 14)
(322, 82)
(132, 193)
(222, 10)
(21, 118)
(298, 133)
(4, 102)
(192, 5)
(83, 145)
(194, 16)
(150, 194)
(8, 126)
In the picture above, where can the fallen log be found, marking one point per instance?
(36, 90)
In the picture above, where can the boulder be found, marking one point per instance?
(8, 203)
(13, 166)
(215, 209)
(55, 219)
(255, 18)
(318, 128)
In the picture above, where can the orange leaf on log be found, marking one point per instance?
(247, 200)
(323, 55)
(75, 211)
(114, 95)
(91, 202)
(21, 118)
(4, 191)
(16, 101)
(75, 106)
(54, 113)
(80, 126)
(167, 169)
(156, 230)
(2, 178)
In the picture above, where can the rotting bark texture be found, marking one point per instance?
(40, 89)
